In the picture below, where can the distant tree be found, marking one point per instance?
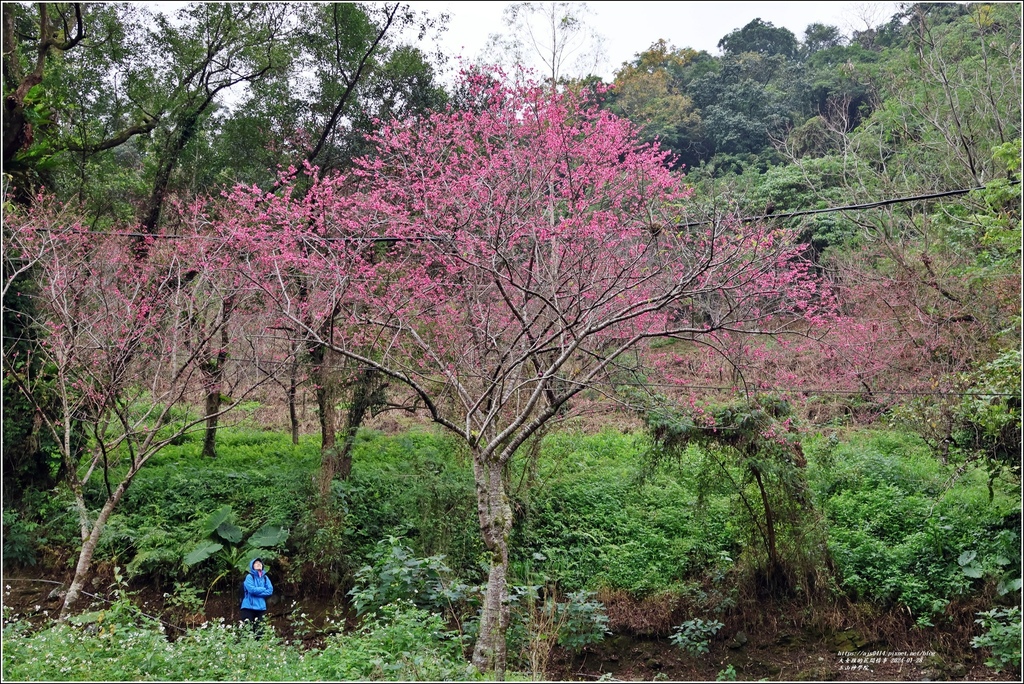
(961, 85)
(210, 49)
(819, 37)
(353, 72)
(761, 37)
(555, 33)
(649, 91)
(744, 104)
(31, 41)
(840, 86)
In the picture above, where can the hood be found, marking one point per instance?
(253, 562)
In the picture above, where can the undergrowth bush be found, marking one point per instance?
(21, 541)
(403, 643)
(260, 475)
(398, 575)
(903, 529)
(694, 636)
(415, 486)
(600, 520)
(590, 514)
(1002, 637)
(540, 618)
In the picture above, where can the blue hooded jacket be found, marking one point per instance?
(257, 588)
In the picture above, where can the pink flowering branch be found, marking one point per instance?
(499, 260)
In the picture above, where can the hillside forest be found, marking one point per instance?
(712, 371)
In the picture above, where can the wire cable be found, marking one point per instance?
(690, 224)
(849, 207)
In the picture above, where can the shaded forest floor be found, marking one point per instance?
(785, 655)
(768, 640)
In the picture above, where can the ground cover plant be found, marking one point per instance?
(597, 521)
(902, 533)
(120, 644)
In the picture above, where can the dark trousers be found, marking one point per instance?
(255, 617)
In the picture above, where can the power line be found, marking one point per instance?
(849, 207)
(266, 364)
(817, 390)
(425, 238)
(162, 236)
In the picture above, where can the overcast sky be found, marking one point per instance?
(631, 27)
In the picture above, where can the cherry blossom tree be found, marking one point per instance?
(119, 340)
(915, 327)
(501, 258)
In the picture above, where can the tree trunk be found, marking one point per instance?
(489, 653)
(366, 393)
(326, 398)
(89, 546)
(293, 389)
(769, 522)
(182, 135)
(776, 579)
(212, 409)
(15, 136)
(213, 370)
(344, 466)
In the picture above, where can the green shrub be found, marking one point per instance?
(726, 675)
(402, 643)
(260, 475)
(413, 486)
(694, 636)
(56, 516)
(1002, 637)
(904, 530)
(396, 574)
(21, 538)
(539, 621)
(223, 542)
(582, 620)
(600, 519)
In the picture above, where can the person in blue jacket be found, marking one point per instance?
(257, 588)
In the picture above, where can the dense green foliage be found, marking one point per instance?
(902, 531)
(595, 517)
(267, 481)
(119, 644)
(1002, 635)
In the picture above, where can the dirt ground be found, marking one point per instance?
(781, 657)
(772, 642)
